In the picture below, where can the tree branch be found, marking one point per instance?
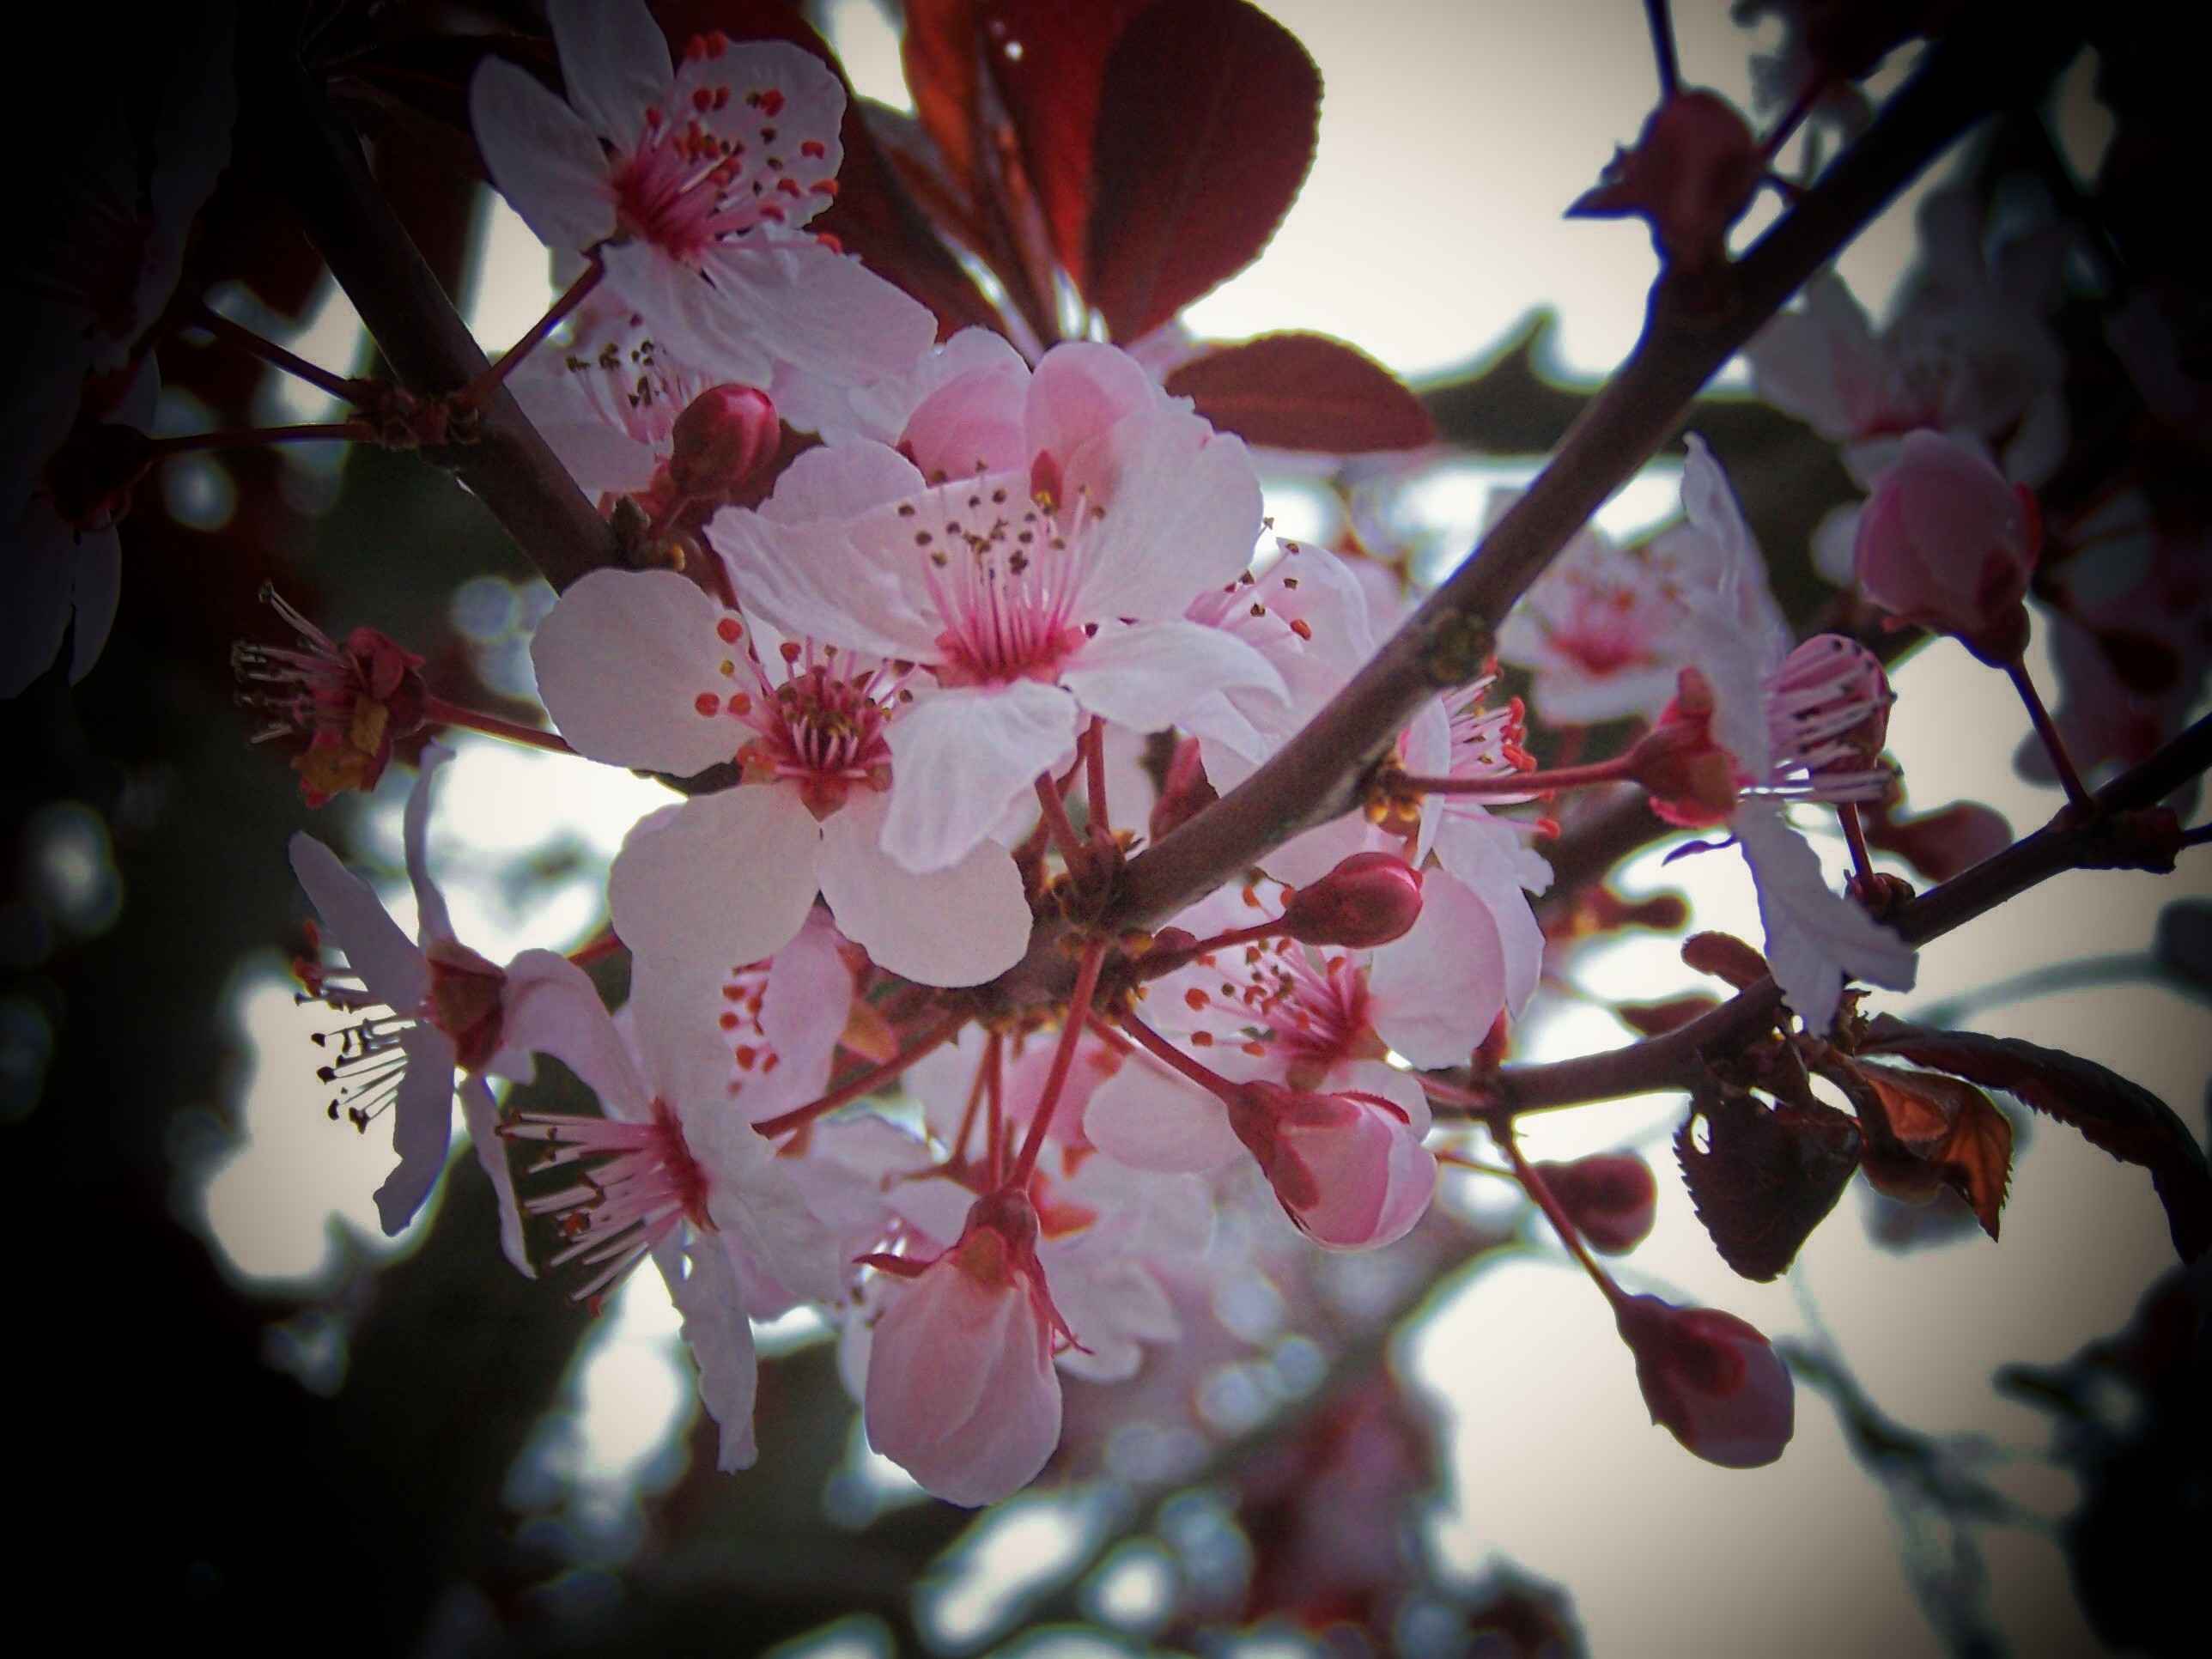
(1994, 53)
(2071, 841)
(315, 163)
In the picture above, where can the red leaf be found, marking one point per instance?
(1766, 1177)
(1724, 957)
(1657, 1018)
(1303, 391)
(1925, 1131)
(938, 52)
(1940, 845)
(1206, 124)
(873, 216)
(2113, 1114)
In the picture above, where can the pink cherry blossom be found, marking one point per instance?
(1945, 542)
(692, 184)
(1714, 1382)
(674, 1171)
(423, 1011)
(1347, 1167)
(350, 702)
(1594, 630)
(641, 669)
(962, 1392)
(1032, 543)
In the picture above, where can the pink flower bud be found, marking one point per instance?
(1368, 900)
(1947, 543)
(1713, 1381)
(1349, 1170)
(1692, 174)
(1611, 1199)
(725, 435)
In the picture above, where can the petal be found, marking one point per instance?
(1815, 937)
(821, 311)
(960, 758)
(1305, 859)
(808, 995)
(1438, 990)
(1184, 517)
(623, 661)
(1081, 391)
(962, 925)
(548, 1005)
(542, 156)
(95, 587)
(704, 1287)
(421, 1124)
(727, 879)
(389, 963)
(684, 313)
(1149, 1118)
(1147, 676)
(762, 1213)
(614, 60)
(480, 1113)
(683, 1060)
(431, 919)
(1112, 1304)
(972, 423)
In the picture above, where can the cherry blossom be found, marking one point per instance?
(427, 1010)
(351, 701)
(1595, 631)
(675, 1171)
(1945, 542)
(691, 184)
(1032, 542)
(642, 669)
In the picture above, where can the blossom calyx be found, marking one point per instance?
(1692, 781)
(1712, 1380)
(1947, 543)
(1693, 172)
(1611, 1199)
(724, 436)
(1368, 900)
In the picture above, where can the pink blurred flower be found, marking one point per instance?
(1945, 542)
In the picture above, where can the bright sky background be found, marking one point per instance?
(1453, 136)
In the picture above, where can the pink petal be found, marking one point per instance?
(972, 424)
(389, 963)
(821, 311)
(1438, 990)
(1112, 1304)
(1147, 676)
(542, 156)
(809, 998)
(421, 1124)
(623, 660)
(727, 879)
(704, 1287)
(960, 758)
(1149, 1118)
(432, 920)
(548, 1005)
(1184, 517)
(962, 925)
(480, 1113)
(1080, 393)
(614, 60)
(684, 313)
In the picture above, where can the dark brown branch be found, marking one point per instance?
(2071, 841)
(1994, 53)
(316, 165)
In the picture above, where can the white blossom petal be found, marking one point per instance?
(1151, 1118)
(480, 1113)
(1149, 675)
(960, 757)
(614, 60)
(1815, 937)
(703, 1284)
(962, 925)
(421, 1124)
(390, 963)
(1438, 990)
(727, 879)
(543, 157)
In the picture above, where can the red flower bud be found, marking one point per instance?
(1611, 1199)
(724, 435)
(1368, 900)
(1692, 174)
(1714, 1382)
(1947, 543)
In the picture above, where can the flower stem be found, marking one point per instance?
(1855, 836)
(958, 1150)
(473, 394)
(246, 437)
(1094, 759)
(2077, 793)
(338, 385)
(439, 712)
(1165, 1052)
(1501, 1130)
(1063, 1057)
(1520, 785)
(866, 1083)
(1662, 47)
(1071, 850)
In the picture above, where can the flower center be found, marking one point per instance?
(644, 1180)
(822, 729)
(1004, 559)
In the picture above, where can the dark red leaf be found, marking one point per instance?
(2118, 1117)
(1657, 1018)
(1206, 124)
(1940, 845)
(1767, 1177)
(1925, 1131)
(943, 69)
(1303, 391)
(873, 215)
(1724, 957)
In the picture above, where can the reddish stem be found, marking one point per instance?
(1165, 1052)
(989, 1064)
(1521, 784)
(439, 712)
(1855, 835)
(2077, 793)
(1063, 1057)
(246, 437)
(338, 385)
(1094, 760)
(1072, 851)
(867, 1083)
(1501, 1131)
(473, 394)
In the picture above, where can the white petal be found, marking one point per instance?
(621, 661)
(1305, 859)
(548, 1005)
(684, 313)
(681, 1054)
(1184, 517)
(421, 1124)
(1112, 1304)
(1815, 937)
(1147, 676)
(541, 155)
(1438, 990)
(388, 961)
(703, 1286)
(762, 1213)
(960, 758)
(480, 1113)
(958, 926)
(724, 881)
(824, 313)
(431, 919)
(808, 995)
(614, 60)
(95, 586)
(1150, 1118)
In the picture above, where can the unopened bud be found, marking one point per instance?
(1690, 175)
(725, 435)
(1611, 1199)
(1947, 543)
(1368, 900)
(1715, 1381)
(1349, 1170)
